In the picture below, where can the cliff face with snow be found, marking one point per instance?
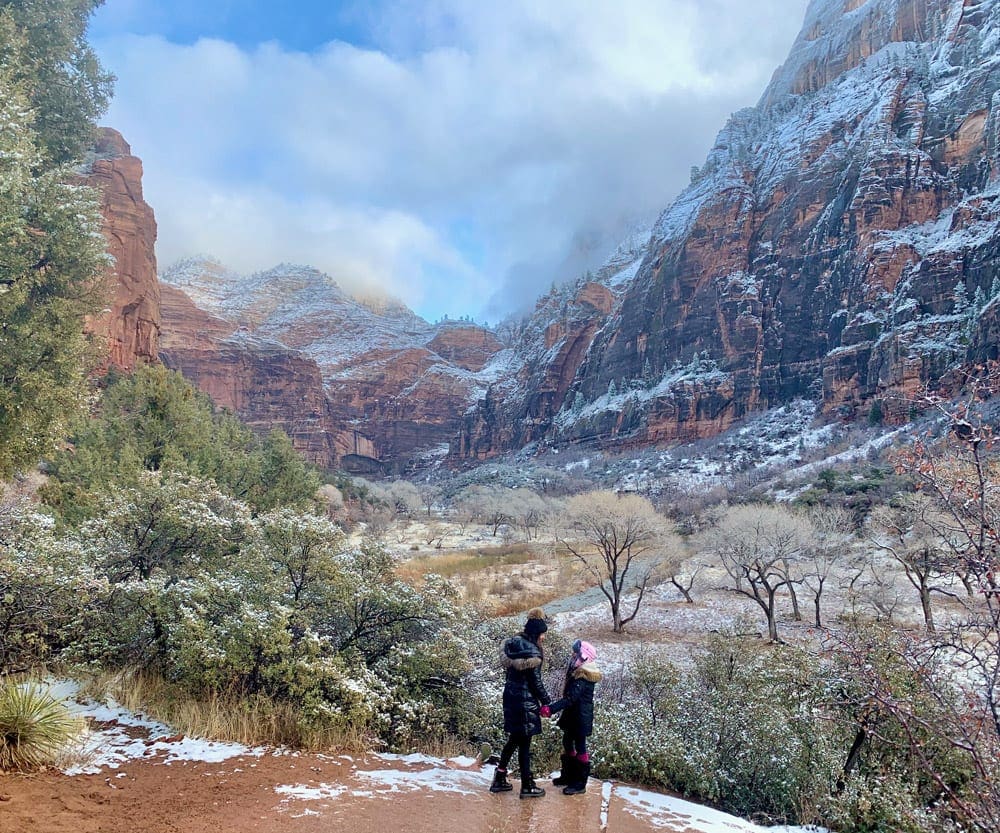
(365, 386)
(841, 242)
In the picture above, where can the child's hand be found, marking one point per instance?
(545, 711)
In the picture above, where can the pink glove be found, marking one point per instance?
(545, 711)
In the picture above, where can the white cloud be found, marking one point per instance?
(533, 128)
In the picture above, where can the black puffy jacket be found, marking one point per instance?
(577, 702)
(524, 692)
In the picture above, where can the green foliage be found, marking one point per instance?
(174, 578)
(50, 254)
(766, 731)
(34, 726)
(51, 246)
(45, 591)
(858, 490)
(154, 420)
(44, 41)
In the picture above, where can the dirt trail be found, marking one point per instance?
(321, 794)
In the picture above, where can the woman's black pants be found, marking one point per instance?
(522, 743)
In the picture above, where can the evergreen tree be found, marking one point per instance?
(960, 296)
(647, 373)
(612, 388)
(43, 43)
(153, 420)
(51, 249)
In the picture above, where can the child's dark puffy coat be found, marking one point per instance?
(577, 702)
(524, 690)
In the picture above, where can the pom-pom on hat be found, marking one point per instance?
(584, 650)
(536, 622)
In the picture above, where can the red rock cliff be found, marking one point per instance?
(840, 243)
(131, 323)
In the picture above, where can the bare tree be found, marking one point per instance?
(620, 540)
(429, 496)
(435, 534)
(683, 573)
(958, 667)
(873, 584)
(529, 510)
(829, 544)
(489, 505)
(906, 532)
(758, 546)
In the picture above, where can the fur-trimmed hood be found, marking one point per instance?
(588, 671)
(520, 653)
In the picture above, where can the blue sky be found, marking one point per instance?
(301, 26)
(459, 155)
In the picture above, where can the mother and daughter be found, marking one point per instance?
(526, 702)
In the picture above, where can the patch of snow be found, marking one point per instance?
(675, 813)
(318, 792)
(437, 779)
(114, 736)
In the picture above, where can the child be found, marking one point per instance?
(577, 721)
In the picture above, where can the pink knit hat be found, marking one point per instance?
(584, 650)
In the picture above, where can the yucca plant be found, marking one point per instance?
(35, 727)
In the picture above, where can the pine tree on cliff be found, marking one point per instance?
(51, 250)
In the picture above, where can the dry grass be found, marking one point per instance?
(465, 562)
(502, 580)
(252, 721)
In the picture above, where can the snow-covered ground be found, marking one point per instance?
(114, 736)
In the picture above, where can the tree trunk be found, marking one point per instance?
(852, 758)
(925, 603)
(684, 591)
(819, 623)
(796, 613)
(772, 627)
(772, 619)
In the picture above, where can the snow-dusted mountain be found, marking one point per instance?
(300, 307)
(367, 381)
(841, 242)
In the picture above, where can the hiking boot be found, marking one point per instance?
(500, 783)
(579, 784)
(568, 770)
(529, 789)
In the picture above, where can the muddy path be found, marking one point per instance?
(310, 794)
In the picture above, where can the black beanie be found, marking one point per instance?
(536, 623)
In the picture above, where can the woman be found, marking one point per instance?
(523, 696)
(577, 720)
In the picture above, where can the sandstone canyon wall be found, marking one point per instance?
(367, 387)
(130, 325)
(841, 242)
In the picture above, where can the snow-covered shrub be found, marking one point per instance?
(884, 803)
(46, 590)
(741, 730)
